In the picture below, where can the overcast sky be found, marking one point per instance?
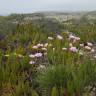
(29, 6)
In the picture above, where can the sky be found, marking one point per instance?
(31, 6)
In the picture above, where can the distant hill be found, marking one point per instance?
(52, 21)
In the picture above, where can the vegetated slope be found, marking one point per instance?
(51, 21)
(36, 62)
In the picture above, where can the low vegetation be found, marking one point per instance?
(37, 62)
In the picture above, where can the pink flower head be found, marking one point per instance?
(59, 37)
(40, 45)
(31, 62)
(38, 55)
(73, 49)
(71, 37)
(35, 47)
(74, 41)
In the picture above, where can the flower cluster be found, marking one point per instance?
(88, 46)
(71, 48)
(38, 51)
(73, 39)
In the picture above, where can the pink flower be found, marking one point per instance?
(38, 55)
(73, 49)
(35, 47)
(32, 62)
(59, 37)
(73, 39)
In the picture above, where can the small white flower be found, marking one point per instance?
(46, 45)
(41, 67)
(77, 38)
(81, 45)
(89, 44)
(32, 56)
(81, 52)
(45, 53)
(74, 41)
(44, 49)
(73, 49)
(38, 55)
(53, 49)
(19, 55)
(87, 48)
(64, 49)
(50, 38)
(7, 55)
(40, 45)
(31, 62)
(59, 37)
(95, 56)
(70, 45)
(92, 50)
(50, 45)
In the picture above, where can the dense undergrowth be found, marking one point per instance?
(34, 62)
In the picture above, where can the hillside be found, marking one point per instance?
(48, 54)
